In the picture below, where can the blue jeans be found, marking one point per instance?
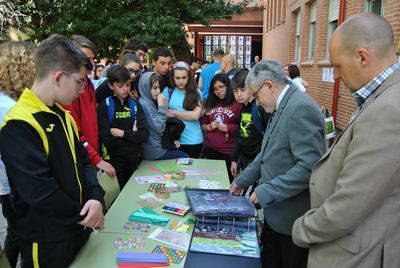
(173, 154)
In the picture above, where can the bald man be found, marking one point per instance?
(228, 65)
(354, 218)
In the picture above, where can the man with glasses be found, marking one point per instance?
(294, 141)
(54, 189)
(132, 62)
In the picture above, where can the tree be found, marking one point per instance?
(10, 16)
(109, 23)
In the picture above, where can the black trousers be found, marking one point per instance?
(212, 154)
(193, 150)
(11, 247)
(58, 254)
(124, 168)
(279, 251)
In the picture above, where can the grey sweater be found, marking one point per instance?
(155, 119)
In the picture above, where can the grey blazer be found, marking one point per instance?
(293, 143)
(354, 219)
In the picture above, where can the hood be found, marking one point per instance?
(145, 87)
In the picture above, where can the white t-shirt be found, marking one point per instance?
(298, 83)
(5, 105)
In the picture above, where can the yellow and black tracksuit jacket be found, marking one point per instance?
(48, 169)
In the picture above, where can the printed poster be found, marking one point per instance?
(233, 40)
(215, 40)
(248, 50)
(223, 40)
(233, 50)
(248, 40)
(208, 40)
(241, 41)
(240, 59)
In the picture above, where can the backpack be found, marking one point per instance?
(111, 109)
(257, 120)
(110, 112)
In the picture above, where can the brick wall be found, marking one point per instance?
(278, 43)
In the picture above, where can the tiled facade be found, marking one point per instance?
(279, 38)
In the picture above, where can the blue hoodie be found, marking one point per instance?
(155, 117)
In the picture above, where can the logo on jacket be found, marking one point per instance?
(50, 128)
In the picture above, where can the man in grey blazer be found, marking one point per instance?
(294, 141)
(354, 220)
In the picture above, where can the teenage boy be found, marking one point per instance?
(122, 125)
(162, 62)
(139, 47)
(83, 110)
(54, 190)
(248, 142)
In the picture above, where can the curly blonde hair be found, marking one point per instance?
(17, 68)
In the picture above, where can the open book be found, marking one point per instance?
(219, 203)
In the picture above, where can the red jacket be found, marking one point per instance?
(84, 111)
(222, 141)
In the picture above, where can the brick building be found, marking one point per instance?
(297, 31)
(240, 36)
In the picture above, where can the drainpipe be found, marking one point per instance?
(336, 84)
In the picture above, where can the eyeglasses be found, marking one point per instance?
(80, 82)
(219, 88)
(258, 90)
(135, 72)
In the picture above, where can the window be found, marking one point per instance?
(374, 6)
(297, 38)
(311, 31)
(333, 15)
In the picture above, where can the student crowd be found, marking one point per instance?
(63, 118)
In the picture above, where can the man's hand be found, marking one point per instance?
(107, 168)
(116, 132)
(94, 215)
(235, 189)
(253, 198)
(234, 169)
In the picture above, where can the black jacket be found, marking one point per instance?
(131, 145)
(48, 169)
(248, 142)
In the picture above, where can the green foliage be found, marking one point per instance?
(109, 23)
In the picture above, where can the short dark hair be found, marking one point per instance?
(156, 77)
(218, 53)
(58, 53)
(239, 79)
(128, 56)
(162, 52)
(193, 59)
(135, 44)
(118, 73)
(83, 41)
(294, 71)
